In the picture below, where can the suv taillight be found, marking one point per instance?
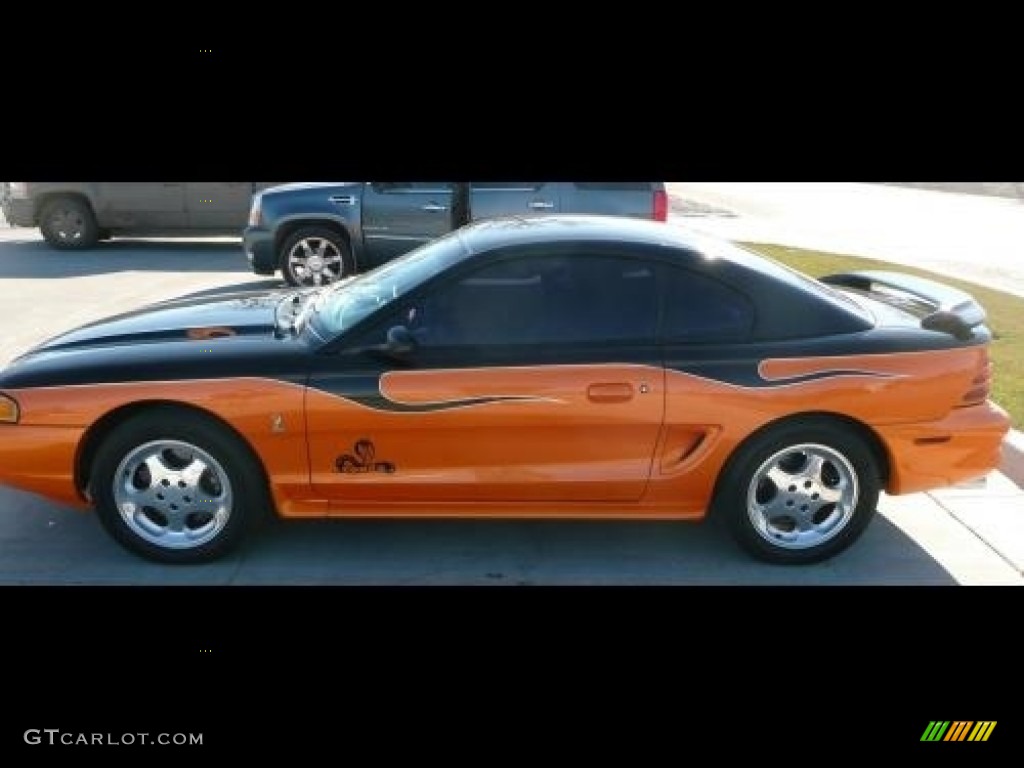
(981, 384)
(256, 209)
(660, 205)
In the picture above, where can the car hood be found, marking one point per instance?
(193, 337)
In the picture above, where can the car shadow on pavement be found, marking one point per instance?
(560, 553)
(41, 543)
(36, 259)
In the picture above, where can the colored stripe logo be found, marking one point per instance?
(958, 730)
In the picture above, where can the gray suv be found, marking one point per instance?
(76, 214)
(317, 233)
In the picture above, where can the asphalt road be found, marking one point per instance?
(43, 292)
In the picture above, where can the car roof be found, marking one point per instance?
(489, 234)
(527, 230)
(775, 289)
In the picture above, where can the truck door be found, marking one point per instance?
(218, 205)
(514, 198)
(400, 216)
(141, 205)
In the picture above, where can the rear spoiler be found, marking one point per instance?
(941, 307)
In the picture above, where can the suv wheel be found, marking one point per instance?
(67, 223)
(315, 256)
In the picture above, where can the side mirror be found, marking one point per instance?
(399, 345)
(400, 341)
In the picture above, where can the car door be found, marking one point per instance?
(490, 199)
(218, 205)
(399, 216)
(535, 378)
(142, 205)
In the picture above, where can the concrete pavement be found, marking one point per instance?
(976, 238)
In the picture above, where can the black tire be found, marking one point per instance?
(795, 521)
(68, 223)
(206, 532)
(332, 248)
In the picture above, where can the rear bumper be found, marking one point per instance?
(20, 212)
(963, 446)
(259, 250)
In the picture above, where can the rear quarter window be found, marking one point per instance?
(700, 309)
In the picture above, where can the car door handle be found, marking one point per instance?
(434, 208)
(541, 205)
(610, 393)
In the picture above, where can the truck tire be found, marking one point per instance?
(68, 223)
(313, 256)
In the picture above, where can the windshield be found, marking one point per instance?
(339, 308)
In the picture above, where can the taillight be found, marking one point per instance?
(660, 205)
(981, 384)
(256, 210)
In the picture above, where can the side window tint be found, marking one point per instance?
(699, 308)
(615, 186)
(577, 299)
(506, 186)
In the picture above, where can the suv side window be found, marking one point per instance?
(615, 186)
(411, 187)
(506, 186)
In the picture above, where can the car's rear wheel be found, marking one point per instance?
(68, 223)
(313, 256)
(174, 487)
(800, 493)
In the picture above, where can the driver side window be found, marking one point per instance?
(557, 299)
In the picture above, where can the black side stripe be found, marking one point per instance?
(381, 403)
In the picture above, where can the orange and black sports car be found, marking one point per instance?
(563, 367)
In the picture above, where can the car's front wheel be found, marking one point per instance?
(68, 222)
(800, 493)
(176, 488)
(313, 256)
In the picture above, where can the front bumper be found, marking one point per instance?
(963, 446)
(259, 250)
(19, 211)
(41, 459)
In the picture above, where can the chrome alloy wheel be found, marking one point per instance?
(173, 494)
(315, 261)
(802, 496)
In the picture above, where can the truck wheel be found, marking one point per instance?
(68, 223)
(315, 256)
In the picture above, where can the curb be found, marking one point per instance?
(1012, 464)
